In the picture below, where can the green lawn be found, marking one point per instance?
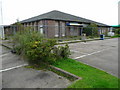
(116, 36)
(91, 77)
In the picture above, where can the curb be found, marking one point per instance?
(62, 42)
(67, 74)
(6, 46)
(80, 41)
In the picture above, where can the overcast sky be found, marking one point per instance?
(104, 11)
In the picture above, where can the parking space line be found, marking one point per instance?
(90, 54)
(4, 54)
(13, 68)
(78, 51)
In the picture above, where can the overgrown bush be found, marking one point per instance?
(33, 46)
(40, 51)
(61, 51)
(45, 51)
(21, 38)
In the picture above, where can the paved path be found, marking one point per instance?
(14, 75)
(102, 54)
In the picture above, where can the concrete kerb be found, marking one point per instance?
(6, 46)
(76, 41)
(67, 74)
(64, 42)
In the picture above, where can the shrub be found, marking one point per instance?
(117, 31)
(37, 49)
(116, 36)
(40, 51)
(64, 51)
(45, 51)
(61, 51)
(21, 38)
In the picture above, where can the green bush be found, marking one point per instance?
(33, 46)
(117, 31)
(45, 51)
(61, 51)
(116, 36)
(64, 51)
(40, 51)
(21, 38)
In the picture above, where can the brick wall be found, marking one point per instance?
(51, 28)
(56, 28)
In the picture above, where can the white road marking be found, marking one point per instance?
(77, 51)
(13, 68)
(4, 54)
(89, 54)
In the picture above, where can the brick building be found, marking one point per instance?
(58, 24)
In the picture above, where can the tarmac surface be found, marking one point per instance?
(101, 54)
(15, 75)
(30, 78)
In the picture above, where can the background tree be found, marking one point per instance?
(117, 31)
(91, 30)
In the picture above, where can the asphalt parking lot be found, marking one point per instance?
(101, 54)
(15, 75)
(30, 78)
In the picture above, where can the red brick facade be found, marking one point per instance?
(53, 28)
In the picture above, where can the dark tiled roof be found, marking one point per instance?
(57, 15)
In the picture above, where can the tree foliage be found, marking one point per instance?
(33, 46)
(91, 30)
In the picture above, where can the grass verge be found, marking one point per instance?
(91, 77)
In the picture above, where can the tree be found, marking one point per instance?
(117, 31)
(94, 29)
(91, 30)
